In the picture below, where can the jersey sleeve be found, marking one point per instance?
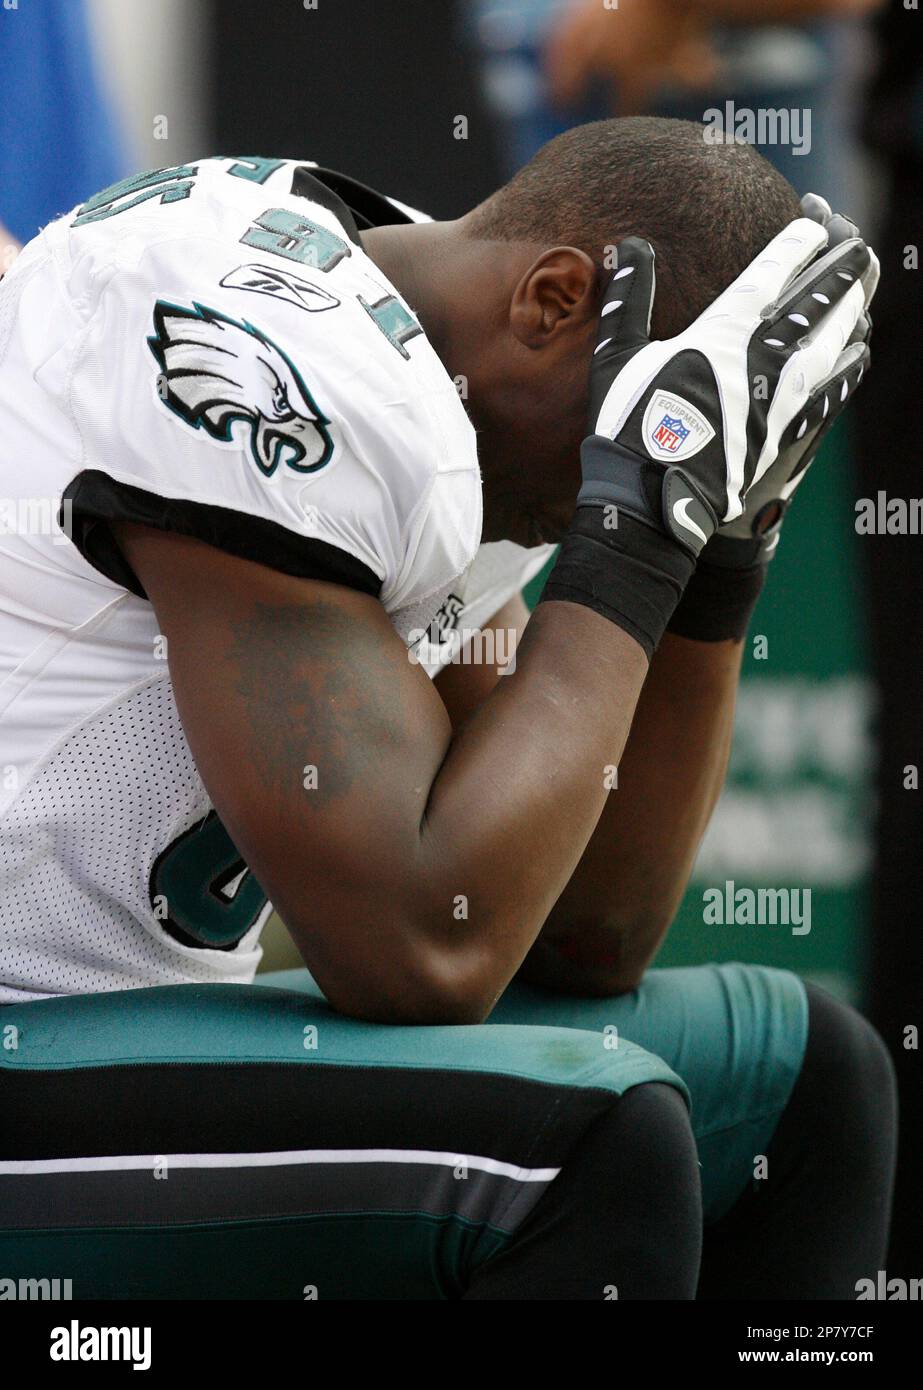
(255, 406)
(500, 570)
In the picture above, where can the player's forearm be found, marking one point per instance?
(524, 782)
(481, 847)
(609, 922)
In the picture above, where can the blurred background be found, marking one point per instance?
(822, 791)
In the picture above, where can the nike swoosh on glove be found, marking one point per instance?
(680, 432)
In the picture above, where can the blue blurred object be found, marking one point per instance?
(59, 140)
(509, 39)
(816, 70)
(813, 67)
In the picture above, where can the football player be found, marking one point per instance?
(299, 436)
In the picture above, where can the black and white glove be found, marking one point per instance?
(682, 430)
(753, 536)
(694, 422)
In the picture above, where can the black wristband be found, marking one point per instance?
(633, 575)
(718, 602)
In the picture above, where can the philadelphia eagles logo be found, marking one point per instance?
(215, 370)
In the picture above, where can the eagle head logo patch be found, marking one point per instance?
(215, 371)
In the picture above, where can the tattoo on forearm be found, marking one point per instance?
(306, 677)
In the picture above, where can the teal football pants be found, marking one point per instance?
(247, 1141)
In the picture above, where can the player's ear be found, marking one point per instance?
(558, 293)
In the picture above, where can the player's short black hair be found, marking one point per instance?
(707, 209)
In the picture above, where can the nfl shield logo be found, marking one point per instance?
(669, 434)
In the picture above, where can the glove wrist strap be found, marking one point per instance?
(633, 575)
(719, 599)
(663, 498)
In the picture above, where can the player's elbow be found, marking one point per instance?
(410, 977)
(607, 973)
(597, 958)
(421, 995)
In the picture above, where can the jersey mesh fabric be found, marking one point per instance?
(76, 850)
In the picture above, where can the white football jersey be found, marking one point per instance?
(204, 349)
